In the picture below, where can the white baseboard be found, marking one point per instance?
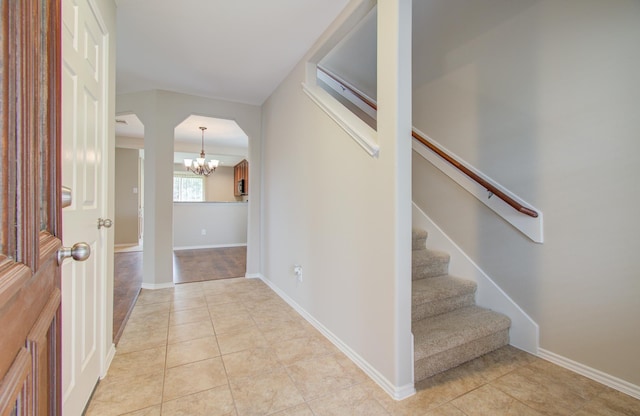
(210, 246)
(151, 286)
(524, 332)
(397, 393)
(596, 375)
(257, 276)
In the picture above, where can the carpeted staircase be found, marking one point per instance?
(448, 328)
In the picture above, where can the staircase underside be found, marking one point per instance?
(448, 328)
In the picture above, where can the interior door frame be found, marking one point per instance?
(107, 21)
(84, 22)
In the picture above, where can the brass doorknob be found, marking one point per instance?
(79, 252)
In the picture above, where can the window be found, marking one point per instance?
(188, 188)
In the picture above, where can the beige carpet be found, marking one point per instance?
(448, 328)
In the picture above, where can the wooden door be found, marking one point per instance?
(30, 221)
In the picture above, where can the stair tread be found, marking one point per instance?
(439, 288)
(449, 330)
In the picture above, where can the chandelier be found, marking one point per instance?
(200, 166)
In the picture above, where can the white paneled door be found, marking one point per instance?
(84, 141)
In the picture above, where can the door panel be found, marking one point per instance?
(29, 207)
(14, 392)
(40, 343)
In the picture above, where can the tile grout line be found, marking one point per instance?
(507, 393)
(235, 406)
(490, 383)
(166, 353)
(283, 366)
(487, 374)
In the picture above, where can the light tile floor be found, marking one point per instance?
(233, 347)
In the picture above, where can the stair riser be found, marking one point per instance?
(448, 328)
(418, 239)
(438, 307)
(418, 243)
(434, 269)
(445, 360)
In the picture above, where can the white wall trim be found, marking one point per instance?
(529, 226)
(597, 375)
(348, 94)
(396, 392)
(209, 246)
(359, 131)
(153, 286)
(524, 332)
(107, 360)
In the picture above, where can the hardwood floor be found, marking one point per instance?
(189, 266)
(127, 280)
(209, 264)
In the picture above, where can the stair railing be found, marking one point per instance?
(491, 189)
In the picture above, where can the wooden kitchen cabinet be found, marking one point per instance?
(241, 178)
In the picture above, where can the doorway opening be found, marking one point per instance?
(210, 211)
(129, 218)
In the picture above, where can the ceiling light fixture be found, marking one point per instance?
(200, 166)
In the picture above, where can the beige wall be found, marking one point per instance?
(161, 112)
(219, 186)
(543, 97)
(360, 43)
(344, 216)
(209, 224)
(126, 200)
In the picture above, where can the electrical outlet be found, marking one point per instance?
(297, 270)
(203, 232)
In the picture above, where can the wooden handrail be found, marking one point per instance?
(488, 186)
(345, 85)
(471, 174)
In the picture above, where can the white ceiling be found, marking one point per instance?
(236, 50)
(219, 132)
(129, 125)
(223, 139)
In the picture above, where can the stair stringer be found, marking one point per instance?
(524, 333)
